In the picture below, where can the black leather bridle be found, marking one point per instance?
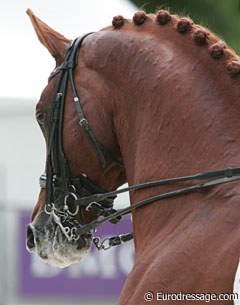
(63, 191)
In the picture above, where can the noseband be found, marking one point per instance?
(63, 191)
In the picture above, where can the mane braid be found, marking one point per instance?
(200, 35)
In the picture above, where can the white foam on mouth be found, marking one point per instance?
(54, 249)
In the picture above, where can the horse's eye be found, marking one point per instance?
(40, 118)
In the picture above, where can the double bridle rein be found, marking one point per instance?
(62, 191)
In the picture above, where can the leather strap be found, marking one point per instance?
(220, 179)
(56, 160)
(216, 174)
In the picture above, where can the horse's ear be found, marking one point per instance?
(52, 40)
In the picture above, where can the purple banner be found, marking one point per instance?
(101, 274)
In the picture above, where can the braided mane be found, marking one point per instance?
(200, 35)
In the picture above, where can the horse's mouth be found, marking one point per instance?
(54, 247)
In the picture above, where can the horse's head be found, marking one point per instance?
(74, 153)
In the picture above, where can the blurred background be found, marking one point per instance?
(25, 67)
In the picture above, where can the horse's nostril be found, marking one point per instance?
(30, 238)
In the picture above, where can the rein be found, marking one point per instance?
(214, 178)
(81, 192)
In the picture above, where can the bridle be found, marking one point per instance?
(63, 191)
(57, 181)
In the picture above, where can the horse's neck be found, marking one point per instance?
(176, 113)
(180, 116)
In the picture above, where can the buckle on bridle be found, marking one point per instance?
(83, 122)
(43, 180)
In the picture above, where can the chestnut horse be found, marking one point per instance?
(162, 94)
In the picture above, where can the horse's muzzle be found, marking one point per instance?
(54, 247)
